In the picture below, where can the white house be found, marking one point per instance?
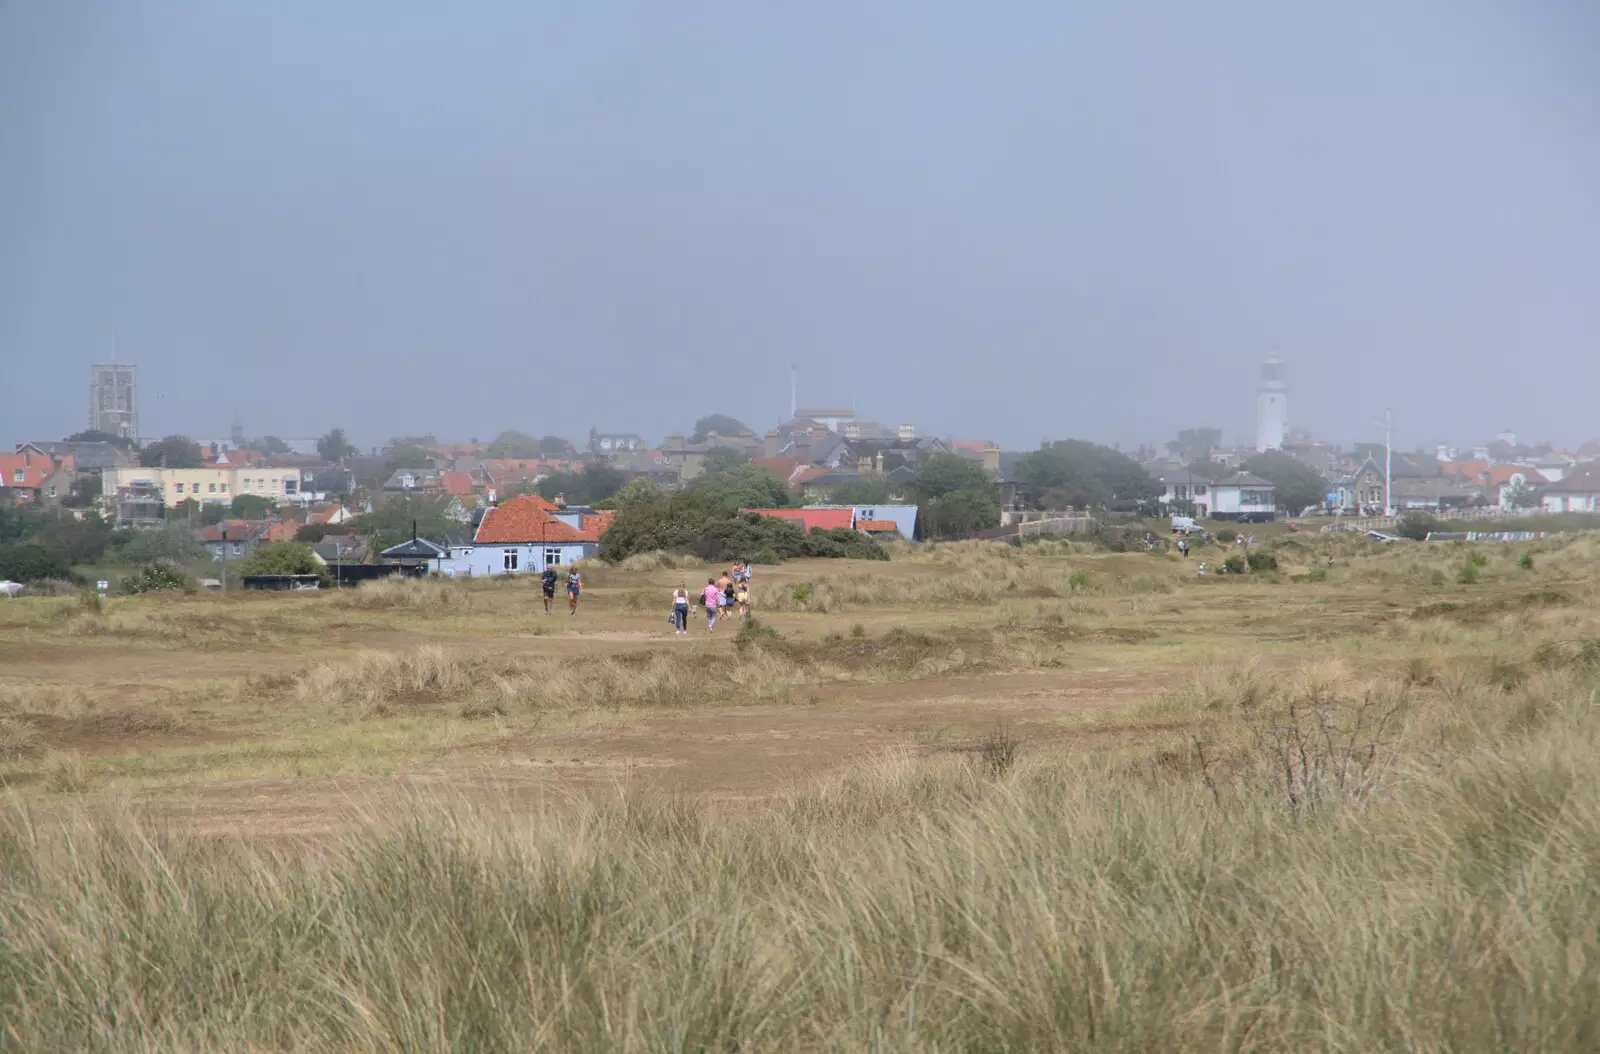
(1243, 497)
(521, 536)
(1577, 491)
(1180, 486)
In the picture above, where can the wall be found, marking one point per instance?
(904, 516)
(1228, 503)
(489, 559)
(215, 484)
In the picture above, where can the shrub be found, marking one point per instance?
(1468, 573)
(281, 558)
(1317, 574)
(1260, 561)
(1416, 526)
(152, 576)
(31, 561)
(1234, 564)
(1526, 562)
(1227, 536)
(802, 593)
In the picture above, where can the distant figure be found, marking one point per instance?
(1202, 570)
(680, 610)
(549, 584)
(711, 597)
(574, 587)
(1183, 547)
(742, 595)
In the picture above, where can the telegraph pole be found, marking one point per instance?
(1388, 463)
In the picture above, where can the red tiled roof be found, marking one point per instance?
(827, 519)
(872, 526)
(457, 483)
(238, 530)
(35, 468)
(1489, 473)
(526, 518)
(782, 467)
(282, 531)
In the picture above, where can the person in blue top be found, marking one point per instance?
(574, 587)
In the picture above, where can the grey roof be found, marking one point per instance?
(89, 457)
(1243, 479)
(415, 547)
(1583, 479)
(422, 475)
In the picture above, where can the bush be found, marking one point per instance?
(1468, 573)
(1260, 561)
(1227, 535)
(280, 558)
(31, 561)
(1526, 562)
(1234, 564)
(1317, 574)
(152, 576)
(801, 593)
(1416, 526)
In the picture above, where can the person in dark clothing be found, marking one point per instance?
(549, 584)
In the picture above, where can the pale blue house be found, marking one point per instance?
(903, 516)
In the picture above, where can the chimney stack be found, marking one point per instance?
(991, 458)
(770, 445)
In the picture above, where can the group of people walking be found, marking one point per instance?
(720, 595)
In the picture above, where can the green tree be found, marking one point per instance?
(1075, 472)
(721, 460)
(83, 541)
(721, 424)
(252, 507)
(391, 523)
(956, 496)
(594, 483)
(512, 444)
(268, 445)
(280, 558)
(172, 452)
(172, 541)
(745, 486)
(201, 514)
(868, 490)
(158, 574)
(640, 491)
(1296, 485)
(95, 436)
(31, 561)
(86, 490)
(1195, 444)
(334, 447)
(554, 446)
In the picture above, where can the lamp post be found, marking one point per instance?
(1388, 462)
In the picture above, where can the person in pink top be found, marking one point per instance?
(711, 597)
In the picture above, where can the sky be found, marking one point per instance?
(1010, 221)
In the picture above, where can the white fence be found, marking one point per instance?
(1380, 523)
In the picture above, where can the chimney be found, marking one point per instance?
(991, 458)
(864, 464)
(819, 431)
(770, 444)
(802, 449)
(879, 466)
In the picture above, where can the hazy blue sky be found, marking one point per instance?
(998, 220)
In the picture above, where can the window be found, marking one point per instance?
(237, 549)
(552, 556)
(52, 490)
(508, 559)
(224, 488)
(180, 487)
(213, 488)
(19, 475)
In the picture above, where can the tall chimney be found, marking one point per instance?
(770, 444)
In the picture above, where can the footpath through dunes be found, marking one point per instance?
(278, 707)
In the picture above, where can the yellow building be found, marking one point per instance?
(178, 485)
(274, 484)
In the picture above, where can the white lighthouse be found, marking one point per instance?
(1272, 406)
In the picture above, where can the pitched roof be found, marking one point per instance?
(526, 518)
(1583, 479)
(35, 468)
(876, 526)
(1243, 479)
(457, 483)
(826, 519)
(238, 530)
(415, 547)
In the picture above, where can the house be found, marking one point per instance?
(206, 485)
(902, 519)
(1181, 487)
(1243, 497)
(414, 480)
(340, 549)
(139, 504)
(31, 475)
(614, 444)
(521, 536)
(330, 513)
(1576, 491)
(689, 458)
(1361, 491)
(86, 457)
(811, 519)
(414, 552)
(233, 539)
